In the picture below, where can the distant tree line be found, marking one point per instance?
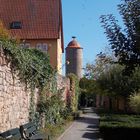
(116, 73)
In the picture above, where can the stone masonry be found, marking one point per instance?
(14, 99)
(64, 84)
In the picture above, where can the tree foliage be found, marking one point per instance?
(113, 83)
(134, 102)
(102, 62)
(87, 85)
(88, 90)
(125, 43)
(109, 79)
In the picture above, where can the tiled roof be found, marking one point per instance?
(74, 44)
(40, 19)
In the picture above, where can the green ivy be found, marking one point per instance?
(75, 92)
(33, 68)
(31, 65)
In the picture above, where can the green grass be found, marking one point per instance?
(116, 120)
(54, 131)
(119, 126)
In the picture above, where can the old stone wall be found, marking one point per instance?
(63, 83)
(14, 99)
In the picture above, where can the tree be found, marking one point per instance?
(108, 77)
(88, 84)
(88, 89)
(125, 43)
(102, 62)
(114, 83)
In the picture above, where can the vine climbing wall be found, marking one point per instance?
(15, 99)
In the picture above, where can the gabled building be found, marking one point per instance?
(37, 23)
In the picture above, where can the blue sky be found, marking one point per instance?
(81, 19)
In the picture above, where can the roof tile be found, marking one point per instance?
(40, 19)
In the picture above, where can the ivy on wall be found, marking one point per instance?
(31, 65)
(75, 91)
(33, 68)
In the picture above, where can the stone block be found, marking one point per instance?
(14, 100)
(1, 81)
(1, 88)
(1, 61)
(5, 88)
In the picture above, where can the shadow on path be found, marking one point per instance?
(85, 128)
(89, 120)
(92, 121)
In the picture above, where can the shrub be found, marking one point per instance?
(118, 121)
(116, 127)
(135, 102)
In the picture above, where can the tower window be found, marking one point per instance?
(15, 25)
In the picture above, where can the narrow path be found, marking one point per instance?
(85, 128)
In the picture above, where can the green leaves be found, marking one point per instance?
(31, 65)
(134, 102)
(119, 121)
(75, 91)
(125, 43)
(107, 78)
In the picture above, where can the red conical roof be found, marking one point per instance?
(74, 44)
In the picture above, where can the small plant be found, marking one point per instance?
(135, 102)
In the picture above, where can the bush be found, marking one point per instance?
(135, 102)
(65, 112)
(119, 127)
(55, 130)
(77, 114)
(119, 133)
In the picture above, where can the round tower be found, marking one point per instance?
(74, 58)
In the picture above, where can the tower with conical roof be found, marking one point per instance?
(74, 58)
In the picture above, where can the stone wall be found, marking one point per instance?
(64, 84)
(116, 104)
(14, 99)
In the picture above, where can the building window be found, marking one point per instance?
(25, 45)
(42, 47)
(21, 45)
(38, 46)
(15, 25)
